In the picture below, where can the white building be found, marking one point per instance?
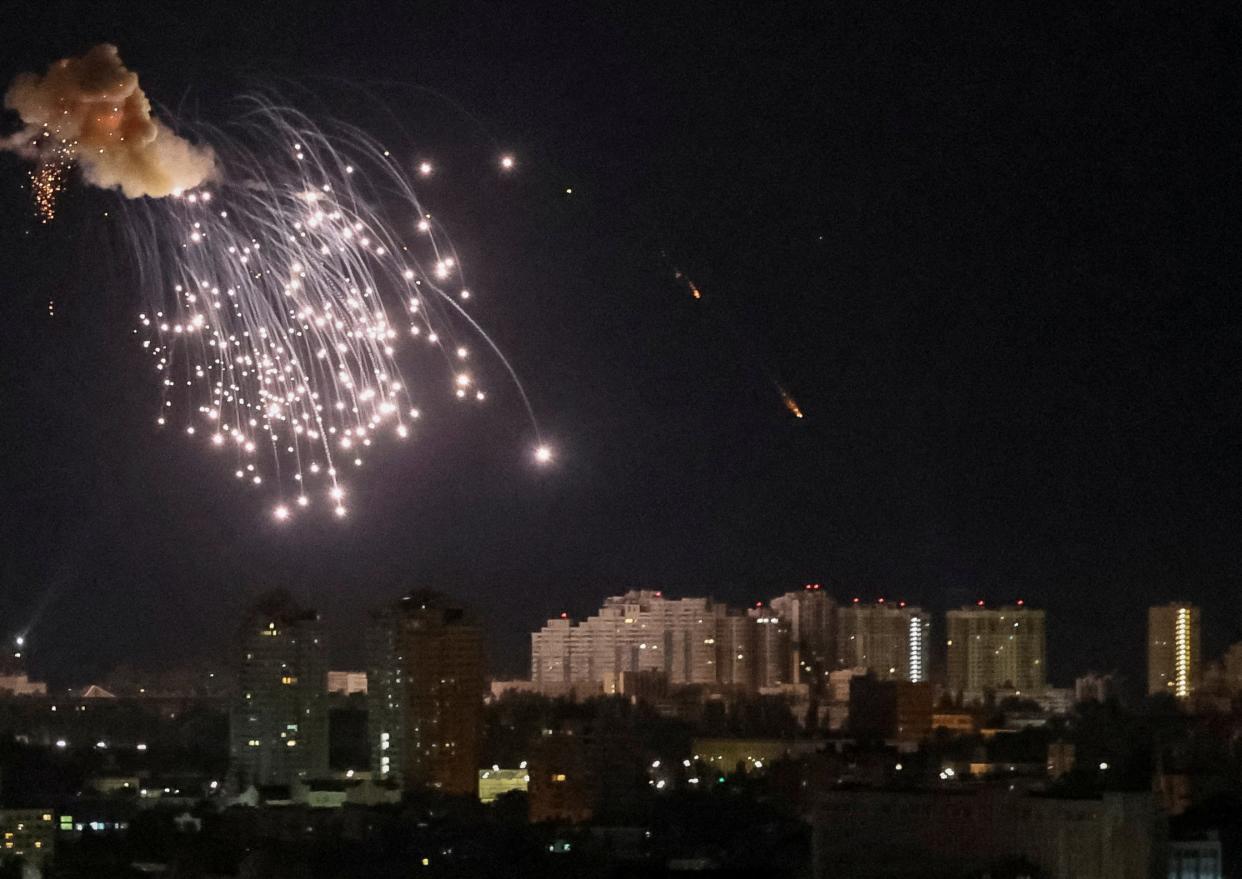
(691, 640)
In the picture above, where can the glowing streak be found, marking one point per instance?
(790, 403)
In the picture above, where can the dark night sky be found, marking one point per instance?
(990, 252)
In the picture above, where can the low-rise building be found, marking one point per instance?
(960, 722)
(28, 834)
(899, 710)
(496, 781)
(1196, 859)
(730, 755)
(880, 833)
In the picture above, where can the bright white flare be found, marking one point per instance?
(543, 455)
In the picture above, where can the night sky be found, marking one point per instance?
(990, 252)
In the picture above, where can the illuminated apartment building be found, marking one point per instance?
(639, 631)
(425, 693)
(1174, 650)
(278, 726)
(991, 649)
(889, 639)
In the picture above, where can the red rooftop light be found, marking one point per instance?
(879, 601)
(856, 600)
(979, 602)
(564, 615)
(1021, 602)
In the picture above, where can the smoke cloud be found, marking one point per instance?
(91, 111)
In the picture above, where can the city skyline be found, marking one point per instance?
(487, 439)
(1031, 407)
(934, 639)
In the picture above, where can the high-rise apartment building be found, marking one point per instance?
(812, 618)
(639, 631)
(1174, 650)
(773, 648)
(889, 639)
(1002, 648)
(736, 647)
(278, 726)
(425, 687)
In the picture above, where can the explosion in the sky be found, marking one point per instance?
(280, 292)
(90, 112)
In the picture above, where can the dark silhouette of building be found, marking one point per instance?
(890, 709)
(279, 722)
(971, 831)
(425, 692)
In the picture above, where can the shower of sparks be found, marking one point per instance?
(50, 177)
(48, 181)
(282, 294)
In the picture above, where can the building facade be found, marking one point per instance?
(993, 649)
(278, 730)
(1174, 650)
(425, 688)
(690, 640)
(1095, 687)
(891, 640)
(973, 832)
(773, 649)
(811, 614)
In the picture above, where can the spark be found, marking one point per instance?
(543, 455)
(507, 162)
